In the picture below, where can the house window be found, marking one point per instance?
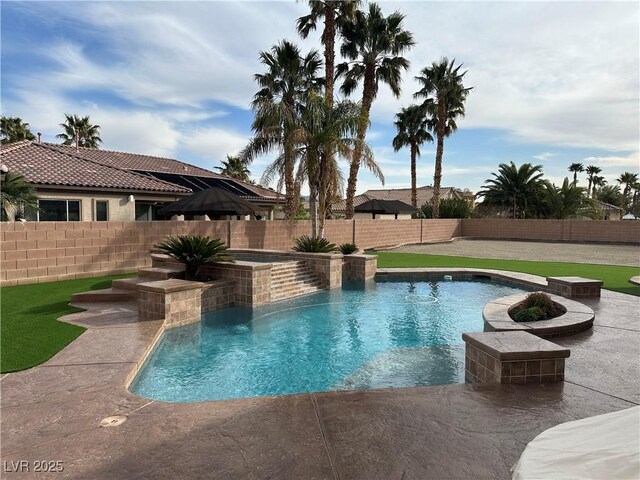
(102, 210)
(59, 210)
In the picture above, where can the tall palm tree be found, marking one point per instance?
(610, 194)
(322, 129)
(576, 168)
(235, 167)
(13, 129)
(597, 182)
(335, 16)
(628, 179)
(284, 87)
(592, 171)
(80, 132)
(16, 195)
(374, 44)
(515, 188)
(411, 124)
(444, 94)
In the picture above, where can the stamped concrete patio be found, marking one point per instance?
(53, 412)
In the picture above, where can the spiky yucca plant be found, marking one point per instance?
(194, 251)
(309, 244)
(348, 248)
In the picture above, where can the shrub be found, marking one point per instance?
(530, 314)
(449, 208)
(313, 245)
(348, 248)
(194, 251)
(536, 306)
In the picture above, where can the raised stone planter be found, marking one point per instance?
(512, 357)
(180, 302)
(574, 287)
(359, 267)
(577, 318)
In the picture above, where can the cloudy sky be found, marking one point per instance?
(554, 83)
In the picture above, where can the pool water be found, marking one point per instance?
(383, 335)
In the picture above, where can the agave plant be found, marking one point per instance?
(194, 251)
(313, 245)
(348, 248)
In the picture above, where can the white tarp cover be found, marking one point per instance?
(602, 447)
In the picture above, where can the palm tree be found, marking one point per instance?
(576, 168)
(592, 171)
(16, 195)
(444, 95)
(235, 167)
(289, 79)
(13, 129)
(335, 15)
(374, 44)
(568, 201)
(411, 123)
(321, 130)
(515, 188)
(597, 181)
(80, 132)
(610, 194)
(627, 179)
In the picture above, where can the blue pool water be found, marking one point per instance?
(386, 334)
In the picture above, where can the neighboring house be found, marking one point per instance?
(609, 211)
(424, 195)
(95, 185)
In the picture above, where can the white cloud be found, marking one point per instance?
(213, 143)
(543, 157)
(631, 161)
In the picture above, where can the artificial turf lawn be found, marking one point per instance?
(29, 331)
(614, 277)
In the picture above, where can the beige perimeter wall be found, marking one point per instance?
(48, 251)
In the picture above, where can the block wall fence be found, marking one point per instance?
(48, 251)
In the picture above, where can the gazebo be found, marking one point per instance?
(385, 207)
(214, 202)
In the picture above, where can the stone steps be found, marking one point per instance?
(129, 283)
(293, 279)
(160, 273)
(112, 295)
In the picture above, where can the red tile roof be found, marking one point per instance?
(423, 194)
(44, 164)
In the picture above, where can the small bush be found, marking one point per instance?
(313, 245)
(348, 248)
(536, 306)
(449, 208)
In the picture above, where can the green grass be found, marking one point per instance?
(30, 333)
(614, 277)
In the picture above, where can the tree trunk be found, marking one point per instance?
(289, 182)
(589, 187)
(623, 201)
(437, 174)
(414, 193)
(329, 38)
(575, 178)
(313, 211)
(363, 124)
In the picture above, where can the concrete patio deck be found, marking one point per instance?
(53, 412)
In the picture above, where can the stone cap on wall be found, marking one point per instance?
(169, 286)
(574, 281)
(515, 345)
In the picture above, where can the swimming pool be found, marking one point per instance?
(383, 335)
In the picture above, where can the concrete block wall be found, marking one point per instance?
(48, 251)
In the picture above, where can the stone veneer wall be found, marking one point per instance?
(359, 267)
(483, 368)
(35, 252)
(180, 302)
(252, 282)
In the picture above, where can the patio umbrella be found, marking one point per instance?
(393, 207)
(213, 201)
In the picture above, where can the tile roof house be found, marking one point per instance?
(90, 184)
(424, 195)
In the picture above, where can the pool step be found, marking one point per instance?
(293, 279)
(111, 295)
(129, 283)
(160, 273)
